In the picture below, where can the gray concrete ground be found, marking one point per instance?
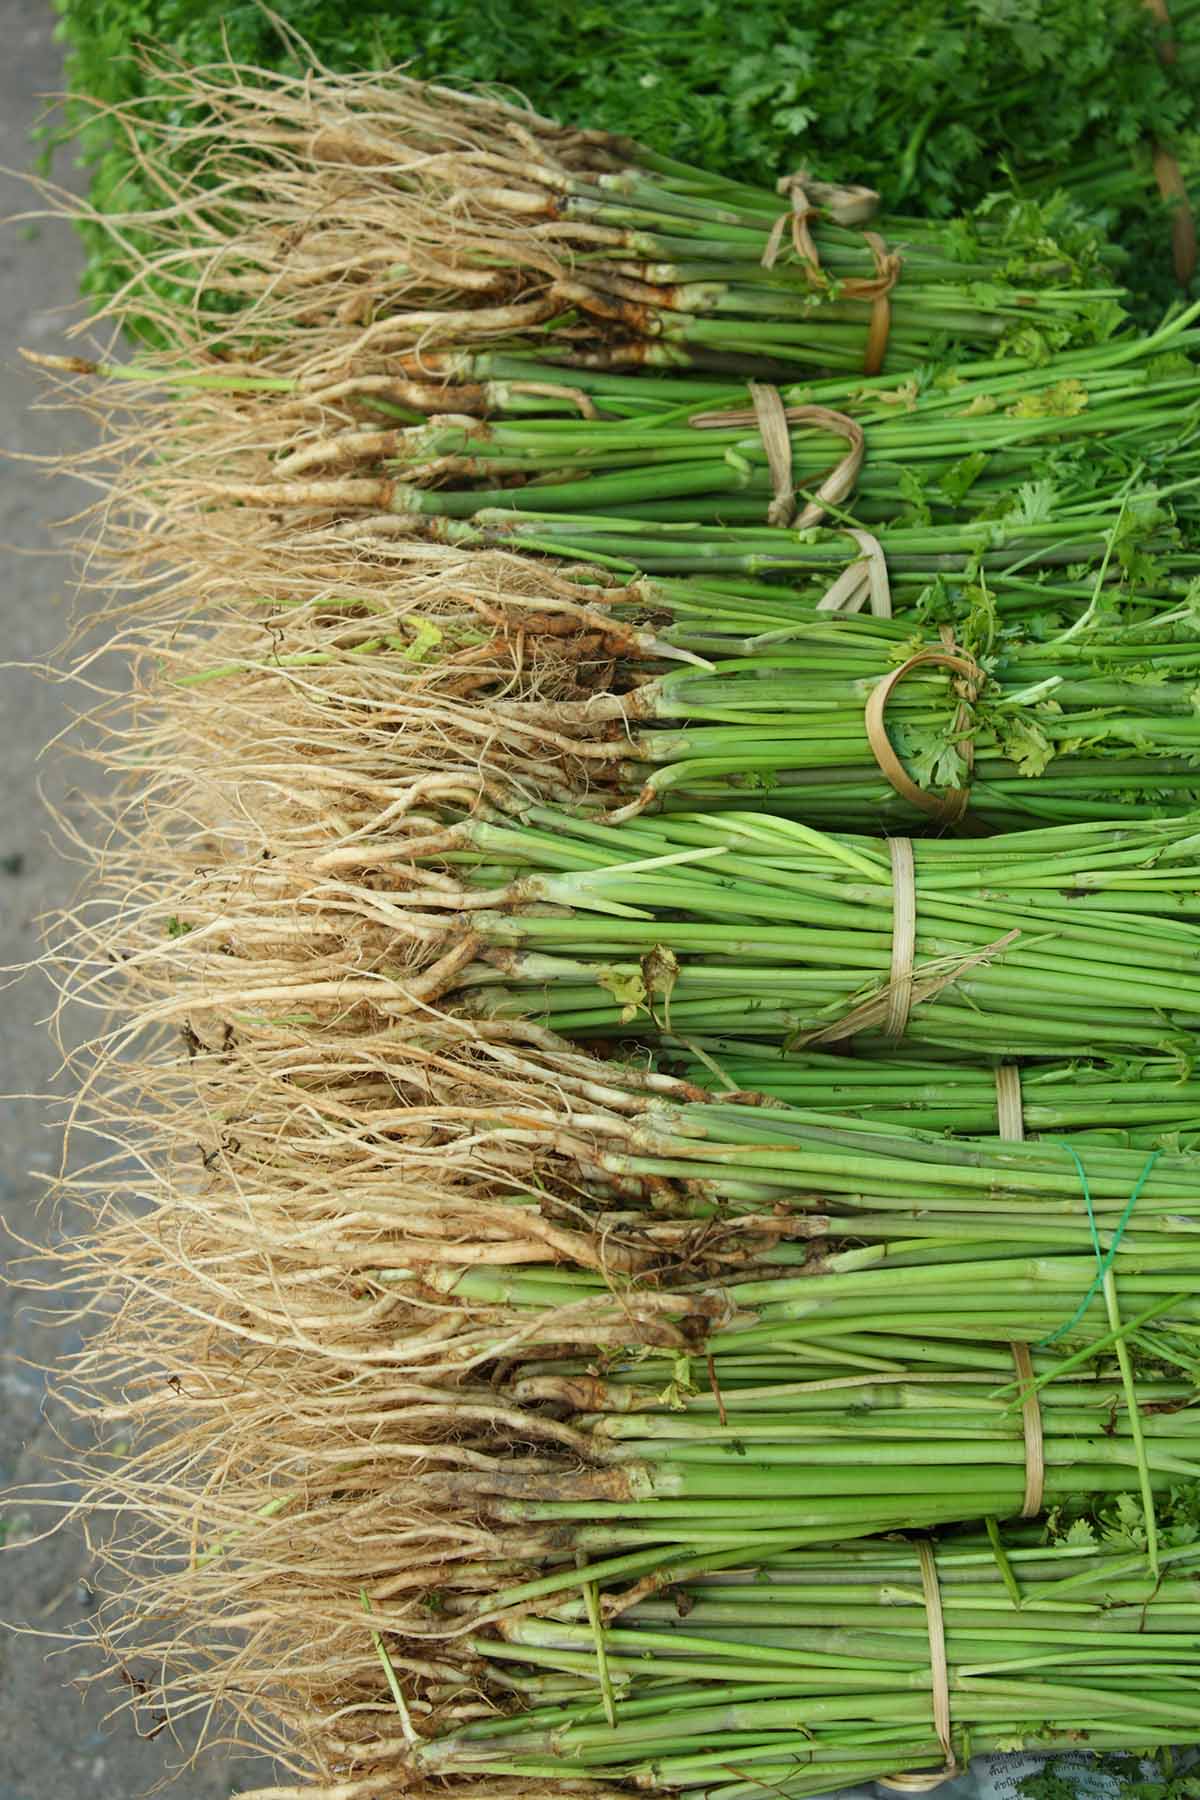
(55, 1743)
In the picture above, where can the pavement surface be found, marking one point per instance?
(55, 1741)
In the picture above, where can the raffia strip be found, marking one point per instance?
(925, 1781)
(846, 206)
(1012, 1126)
(773, 418)
(1009, 1112)
(865, 578)
(938, 1669)
(880, 328)
(770, 415)
(1173, 187)
(950, 806)
(928, 982)
(904, 936)
(1035, 1446)
(1169, 175)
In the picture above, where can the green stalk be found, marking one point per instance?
(1015, 935)
(712, 1688)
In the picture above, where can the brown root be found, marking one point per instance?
(318, 1182)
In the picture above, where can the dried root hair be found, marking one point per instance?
(306, 1155)
(284, 200)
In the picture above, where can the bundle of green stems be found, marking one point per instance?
(835, 1403)
(878, 1377)
(760, 925)
(671, 259)
(1135, 1100)
(804, 1426)
(502, 222)
(1097, 726)
(811, 1670)
(889, 1216)
(720, 587)
(939, 458)
(1049, 481)
(1055, 557)
(950, 448)
(1080, 611)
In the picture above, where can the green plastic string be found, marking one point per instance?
(1104, 1262)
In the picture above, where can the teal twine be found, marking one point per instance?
(1103, 1262)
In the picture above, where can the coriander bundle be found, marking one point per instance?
(1135, 1100)
(695, 923)
(859, 722)
(509, 222)
(829, 1667)
(974, 444)
(678, 694)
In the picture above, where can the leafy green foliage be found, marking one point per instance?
(934, 102)
(1118, 1524)
(1117, 1776)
